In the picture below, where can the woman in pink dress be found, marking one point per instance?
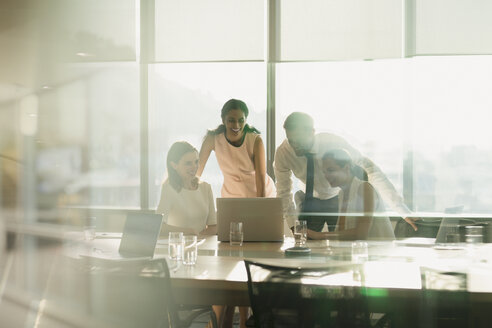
(241, 156)
(240, 153)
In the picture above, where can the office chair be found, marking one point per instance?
(295, 297)
(119, 294)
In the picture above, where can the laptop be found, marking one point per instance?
(449, 224)
(138, 240)
(262, 218)
(445, 225)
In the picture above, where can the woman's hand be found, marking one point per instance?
(312, 234)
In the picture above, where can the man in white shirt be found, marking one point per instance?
(291, 158)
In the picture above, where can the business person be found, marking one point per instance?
(186, 203)
(241, 156)
(300, 155)
(240, 153)
(359, 203)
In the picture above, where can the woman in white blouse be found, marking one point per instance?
(361, 210)
(186, 203)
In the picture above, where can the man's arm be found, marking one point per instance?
(386, 189)
(283, 184)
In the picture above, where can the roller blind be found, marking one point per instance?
(340, 29)
(454, 27)
(90, 30)
(209, 30)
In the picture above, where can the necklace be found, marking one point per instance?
(236, 143)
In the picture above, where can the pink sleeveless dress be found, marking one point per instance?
(237, 166)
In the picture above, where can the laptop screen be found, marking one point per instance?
(262, 218)
(140, 234)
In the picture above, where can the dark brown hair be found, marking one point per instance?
(298, 120)
(175, 153)
(342, 158)
(232, 104)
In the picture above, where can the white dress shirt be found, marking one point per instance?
(287, 163)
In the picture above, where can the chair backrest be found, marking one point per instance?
(129, 299)
(297, 297)
(114, 294)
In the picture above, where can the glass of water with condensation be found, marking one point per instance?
(300, 232)
(474, 234)
(176, 243)
(190, 251)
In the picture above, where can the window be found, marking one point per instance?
(362, 101)
(450, 132)
(186, 100)
(430, 114)
(422, 120)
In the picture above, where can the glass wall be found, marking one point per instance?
(84, 82)
(86, 150)
(94, 92)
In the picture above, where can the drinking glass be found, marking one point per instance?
(176, 242)
(190, 252)
(453, 236)
(360, 252)
(300, 232)
(236, 234)
(474, 234)
(90, 228)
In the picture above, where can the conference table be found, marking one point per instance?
(410, 278)
(413, 278)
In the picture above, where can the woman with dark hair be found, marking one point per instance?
(186, 203)
(241, 156)
(358, 202)
(240, 153)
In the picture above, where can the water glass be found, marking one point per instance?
(236, 234)
(360, 251)
(176, 242)
(474, 234)
(190, 252)
(300, 232)
(453, 236)
(90, 228)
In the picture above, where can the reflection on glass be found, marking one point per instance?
(86, 150)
